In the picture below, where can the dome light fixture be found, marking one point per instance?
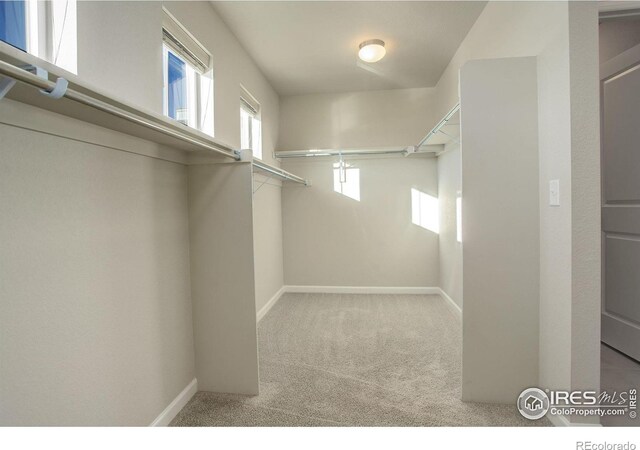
(372, 50)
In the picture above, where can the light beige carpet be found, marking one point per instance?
(354, 360)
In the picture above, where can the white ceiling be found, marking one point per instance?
(310, 47)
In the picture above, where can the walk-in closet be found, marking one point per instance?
(295, 213)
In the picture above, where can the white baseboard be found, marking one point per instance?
(265, 309)
(343, 290)
(171, 411)
(562, 421)
(357, 290)
(362, 290)
(454, 306)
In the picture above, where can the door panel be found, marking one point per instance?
(622, 261)
(621, 219)
(622, 136)
(620, 94)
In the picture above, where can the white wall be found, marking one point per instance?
(449, 189)
(267, 238)
(118, 49)
(95, 318)
(585, 196)
(527, 28)
(333, 240)
(222, 267)
(137, 40)
(555, 222)
(385, 118)
(501, 228)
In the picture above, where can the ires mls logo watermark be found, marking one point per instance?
(534, 403)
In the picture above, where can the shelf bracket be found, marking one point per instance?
(7, 82)
(58, 90)
(5, 86)
(409, 150)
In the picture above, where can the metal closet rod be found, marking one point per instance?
(439, 125)
(24, 76)
(375, 151)
(345, 152)
(279, 172)
(29, 78)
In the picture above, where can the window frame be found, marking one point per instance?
(19, 36)
(40, 33)
(251, 107)
(193, 88)
(197, 73)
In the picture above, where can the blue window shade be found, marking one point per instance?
(177, 78)
(13, 27)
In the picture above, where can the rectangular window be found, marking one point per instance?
(13, 23)
(188, 78)
(46, 29)
(179, 97)
(250, 125)
(177, 73)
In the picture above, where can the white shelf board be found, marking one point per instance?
(30, 95)
(447, 133)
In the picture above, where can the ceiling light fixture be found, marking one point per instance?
(372, 50)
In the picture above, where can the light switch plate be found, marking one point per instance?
(554, 193)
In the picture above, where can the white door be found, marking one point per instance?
(620, 106)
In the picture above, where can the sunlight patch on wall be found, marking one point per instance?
(350, 185)
(424, 210)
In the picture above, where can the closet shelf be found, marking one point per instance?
(341, 152)
(88, 104)
(278, 172)
(446, 131)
